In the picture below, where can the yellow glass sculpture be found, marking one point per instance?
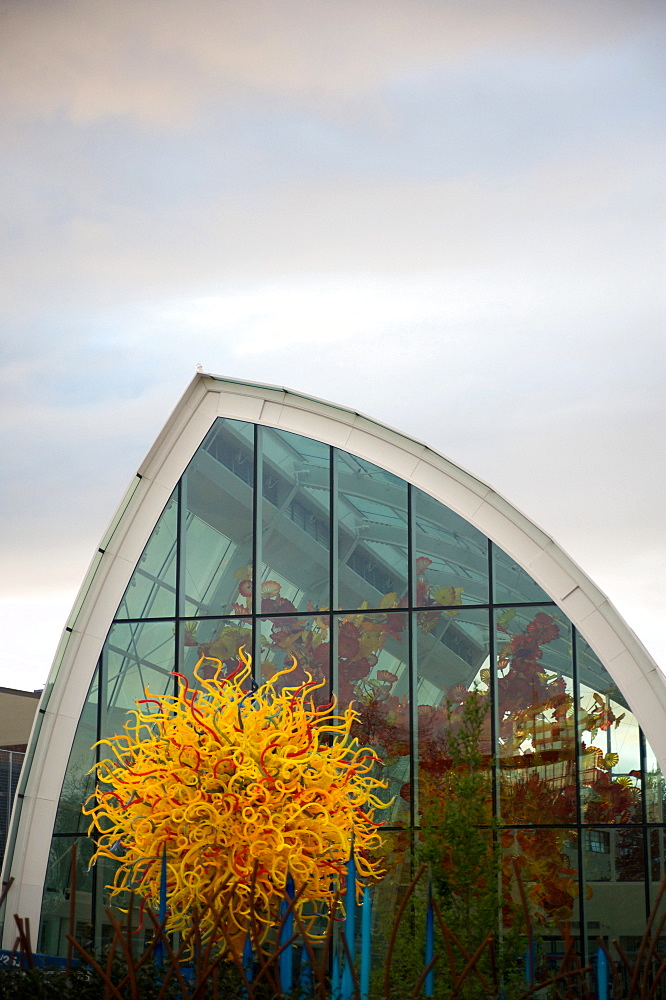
(239, 787)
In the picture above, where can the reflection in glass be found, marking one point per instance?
(105, 870)
(79, 783)
(536, 705)
(307, 638)
(512, 585)
(614, 879)
(610, 746)
(450, 556)
(373, 657)
(656, 841)
(372, 535)
(398, 863)
(657, 861)
(217, 638)
(217, 492)
(599, 849)
(135, 657)
(295, 523)
(546, 863)
(452, 660)
(151, 592)
(56, 900)
(655, 788)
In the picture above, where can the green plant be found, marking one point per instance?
(459, 836)
(461, 845)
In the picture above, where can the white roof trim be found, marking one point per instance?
(206, 398)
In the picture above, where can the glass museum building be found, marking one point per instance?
(266, 519)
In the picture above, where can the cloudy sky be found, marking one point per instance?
(443, 214)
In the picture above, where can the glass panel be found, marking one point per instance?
(218, 638)
(56, 900)
(655, 788)
(615, 889)
(398, 864)
(656, 839)
(463, 863)
(306, 637)
(610, 745)
(295, 522)
(512, 585)
(105, 870)
(454, 766)
(537, 748)
(373, 671)
(451, 660)
(451, 556)
(79, 783)
(136, 657)
(657, 856)
(151, 592)
(372, 535)
(218, 497)
(546, 863)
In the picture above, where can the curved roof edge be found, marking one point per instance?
(206, 398)
(624, 656)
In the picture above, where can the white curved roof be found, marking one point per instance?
(206, 398)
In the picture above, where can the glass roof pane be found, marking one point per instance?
(295, 522)
(217, 491)
(372, 535)
(450, 556)
(611, 770)
(511, 583)
(151, 592)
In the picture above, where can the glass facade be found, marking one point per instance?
(287, 546)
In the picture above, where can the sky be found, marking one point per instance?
(446, 215)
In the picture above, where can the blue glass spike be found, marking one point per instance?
(163, 886)
(286, 958)
(335, 979)
(248, 959)
(159, 947)
(366, 915)
(429, 943)
(530, 963)
(602, 975)
(350, 926)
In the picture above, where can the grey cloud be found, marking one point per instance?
(585, 222)
(132, 58)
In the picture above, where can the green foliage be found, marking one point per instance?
(82, 983)
(461, 846)
(460, 841)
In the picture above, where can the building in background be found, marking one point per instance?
(266, 519)
(17, 713)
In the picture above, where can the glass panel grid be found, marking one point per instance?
(408, 639)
